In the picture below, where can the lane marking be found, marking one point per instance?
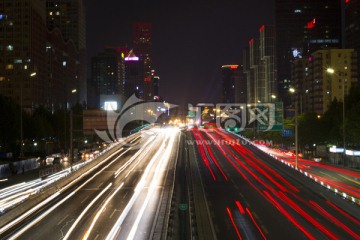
(84, 199)
(85, 211)
(62, 220)
(125, 194)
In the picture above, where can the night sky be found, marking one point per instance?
(191, 39)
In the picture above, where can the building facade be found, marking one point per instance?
(70, 17)
(268, 60)
(230, 75)
(62, 71)
(303, 27)
(142, 42)
(106, 72)
(23, 68)
(259, 67)
(38, 66)
(322, 77)
(134, 76)
(352, 27)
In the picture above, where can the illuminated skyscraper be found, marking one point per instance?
(142, 47)
(303, 27)
(352, 27)
(69, 17)
(230, 75)
(22, 51)
(259, 67)
(106, 72)
(316, 86)
(134, 75)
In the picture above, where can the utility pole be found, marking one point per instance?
(296, 136)
(71, 152)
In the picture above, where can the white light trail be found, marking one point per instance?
(87, 233)
(43, 203)
(150, 193)
(71, 229)
(114, 231)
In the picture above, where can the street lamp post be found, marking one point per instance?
(21, 118)
(292, 90)
(71, 152)
(332, 71)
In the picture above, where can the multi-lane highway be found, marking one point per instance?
(252, 196)
(118, 199)
(343, 179)
(223, 189)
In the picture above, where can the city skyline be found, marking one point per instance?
(191, 41)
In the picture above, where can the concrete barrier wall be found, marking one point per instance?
(4, 170)
(18, 167)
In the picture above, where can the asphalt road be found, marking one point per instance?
(250, 196)
(344, 179)
(123, 193)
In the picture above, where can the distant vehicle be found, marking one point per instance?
(317, 159)
(57, 160)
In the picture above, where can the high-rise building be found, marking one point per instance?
(142, 42)
(241, 86)
(247, 75)
(268, 61)
(230, 75)
(23, 68)
(254, 83)
(323, 76)
(134, 75)
(259, 67)
(62, 71)
(156, 85)
(106, 72)
(303, 84)
(303, 27)
(70, 17)
(352, 27)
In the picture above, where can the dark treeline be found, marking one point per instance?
(40, 127)
(322, 130)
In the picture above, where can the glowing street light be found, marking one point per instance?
(332, 71)
(33, 74)
(292, 90)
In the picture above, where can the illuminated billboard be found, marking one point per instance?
(110, 105)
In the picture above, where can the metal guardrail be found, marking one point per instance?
(342, 194)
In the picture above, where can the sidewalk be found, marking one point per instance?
(22, 177)
(32, 174)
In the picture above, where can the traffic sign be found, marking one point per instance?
(274, 113)
(183, 206)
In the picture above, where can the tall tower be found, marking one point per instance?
(319, 85)
(23, 69)
(106, 72)
(352, 27)
(268, 60)
(70, 17)
(303, 27)
(142, 47)
(230, 75)
(134, 75)
(259, 67)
